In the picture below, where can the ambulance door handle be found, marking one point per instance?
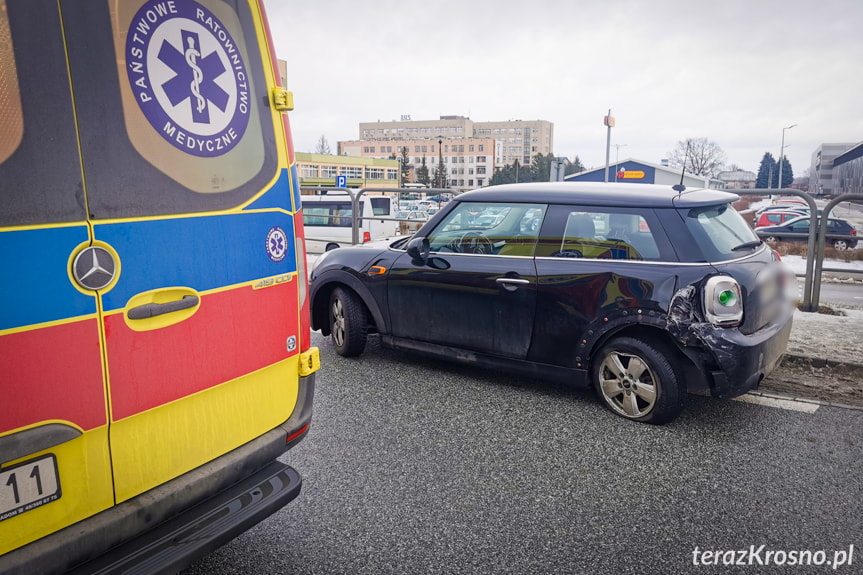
(149, 310)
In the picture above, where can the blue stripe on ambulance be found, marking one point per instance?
(185, 241)
(37, 286)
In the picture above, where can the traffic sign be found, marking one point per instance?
(341, 181)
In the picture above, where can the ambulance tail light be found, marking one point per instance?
(367, 237)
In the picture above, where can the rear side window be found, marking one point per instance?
(719, 231)
(172, 105)
(36, 120)
(602, 233)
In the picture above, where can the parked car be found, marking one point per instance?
(410, 220)
(643, 294)
(775, 217)
(840, 234)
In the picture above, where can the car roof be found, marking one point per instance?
(600, 194)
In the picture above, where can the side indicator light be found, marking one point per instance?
(377, 270)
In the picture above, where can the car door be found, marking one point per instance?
(202, 312)
(477, 290)
(55, 466)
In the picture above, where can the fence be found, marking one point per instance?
(816, 241)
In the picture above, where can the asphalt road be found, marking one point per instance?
(843, 294)
(415, 467)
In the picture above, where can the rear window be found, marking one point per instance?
(380, 206)
(719, 231)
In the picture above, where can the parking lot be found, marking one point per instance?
(418, 466)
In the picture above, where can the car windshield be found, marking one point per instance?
(719, 231)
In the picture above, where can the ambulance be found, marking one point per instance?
(155, 353)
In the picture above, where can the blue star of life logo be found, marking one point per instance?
(188, 76)
(194, 79)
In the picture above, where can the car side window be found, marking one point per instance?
(489, 228)
(600, 233)
(801, 226)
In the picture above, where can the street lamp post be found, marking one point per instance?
(782, 154)
(440, 176)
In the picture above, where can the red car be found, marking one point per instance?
(776, 217)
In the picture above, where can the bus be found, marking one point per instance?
(328, 220)
(155, 343)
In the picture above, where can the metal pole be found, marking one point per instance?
(782, 154)
(608, 145)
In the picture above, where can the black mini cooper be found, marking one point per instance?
(642, 291)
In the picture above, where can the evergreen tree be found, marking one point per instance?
(768, 172)
(574, 167)
(423, 174)
(787, 173)
(405, 166)
(540, 167)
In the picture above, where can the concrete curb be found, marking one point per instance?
(818, 363)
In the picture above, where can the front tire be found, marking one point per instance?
(638, 381)
(348, 323)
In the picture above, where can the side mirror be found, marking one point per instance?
(418, 249)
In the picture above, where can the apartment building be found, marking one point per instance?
(513, 140)
(468, 162)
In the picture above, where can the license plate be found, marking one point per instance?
(28, 485)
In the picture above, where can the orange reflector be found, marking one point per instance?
(377, 270)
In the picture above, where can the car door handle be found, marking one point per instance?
(149, 310)
(512, 281)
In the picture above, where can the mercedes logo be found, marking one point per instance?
(94, 268)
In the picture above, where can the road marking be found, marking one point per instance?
(788, 404)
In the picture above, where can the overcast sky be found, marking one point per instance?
(733, 71)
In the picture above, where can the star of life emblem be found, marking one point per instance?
(277, 244)
(188, 77)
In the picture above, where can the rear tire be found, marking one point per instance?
(840, 245)
(348, 323)
(331, 247)
(638, 381)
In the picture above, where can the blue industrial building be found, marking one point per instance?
(639, 172)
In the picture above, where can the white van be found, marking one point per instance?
(328, 220)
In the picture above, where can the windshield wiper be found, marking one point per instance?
(747, 245)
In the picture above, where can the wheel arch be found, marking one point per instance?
(656, 335)
(325, 284)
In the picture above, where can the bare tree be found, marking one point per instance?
(323, 147)
(702, 157)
